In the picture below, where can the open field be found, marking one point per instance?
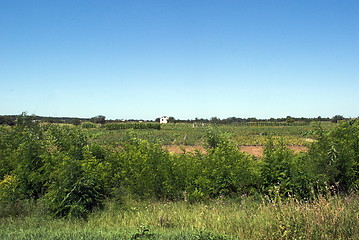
(253, 150)
(179, 182)
(182, 134)
(181, 137)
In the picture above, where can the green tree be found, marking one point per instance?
(8, 120)
(289, 119)
(334, 157)
(99, 119)
(337, 118)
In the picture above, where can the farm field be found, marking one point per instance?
(191, 136)
(256, 151)
(251, 139)
(181, 181)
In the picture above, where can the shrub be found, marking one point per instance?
(9, 189)
(223, 171)
(146, 170)
(283, 173)
(334, 157)
(88, 125)
(72, 191)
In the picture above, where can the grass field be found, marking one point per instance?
(244, 218)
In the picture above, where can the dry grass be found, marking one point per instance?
(245, 218)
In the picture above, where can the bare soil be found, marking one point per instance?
(258, 150)
(253, 150)
(182, 149)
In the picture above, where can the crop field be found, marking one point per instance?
(179, 181)
(182, 137)
(182, 134)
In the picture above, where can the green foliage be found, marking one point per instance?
(73, 170)
(223, 171)
(276, 166)
(50, 161)
(283, 173)
(215, 138)
(143, 233)
(99, 119)
(334, 157)
(7, 120)
(21, 155)
(337, 118)
(9, 189)
(25, 121)
(75, 121)
(88, 125)
(68, 139)
(7, 147)
(146, 169)
(74, 185)
(73, 192)
(134, 125)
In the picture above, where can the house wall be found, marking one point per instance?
(164, 119)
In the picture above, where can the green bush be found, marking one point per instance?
(283, 173)
(146, 170)
(72, 191)
(9, 189)
(334, 157)
(74, 186)
(223, 171)
(88, 125)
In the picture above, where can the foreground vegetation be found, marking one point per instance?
(330, 217)
(71, 182)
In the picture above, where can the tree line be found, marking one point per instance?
(233, 120)
(100, 119)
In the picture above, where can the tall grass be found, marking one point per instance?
(331, 217)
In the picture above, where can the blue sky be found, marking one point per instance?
(142, 59)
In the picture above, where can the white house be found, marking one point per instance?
(164, 119)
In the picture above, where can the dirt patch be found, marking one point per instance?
(253, 150)
(298, 148)
(258, 150)
(182, 149)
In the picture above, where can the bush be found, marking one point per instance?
(334, 157)
(223, 171)
(72, 191)
(9, 189)
(146, 170)
(88, 125)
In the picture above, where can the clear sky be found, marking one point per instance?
(142, 59)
